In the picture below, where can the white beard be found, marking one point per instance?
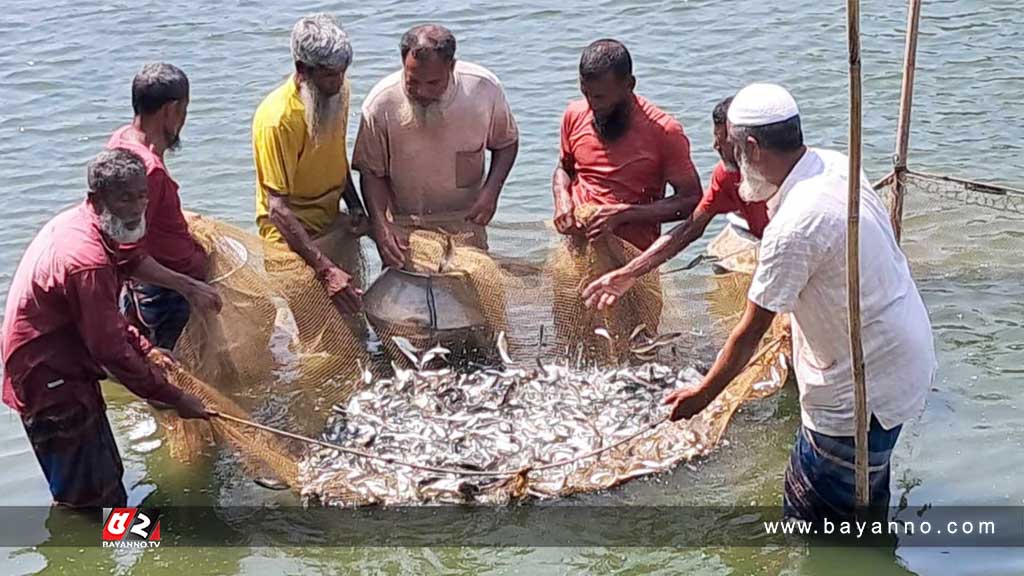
(118, 231)
(754, 187)
(322, 113)
(414, 114)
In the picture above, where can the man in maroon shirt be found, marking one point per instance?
(160, 101)
(722, 196)
(63, 332)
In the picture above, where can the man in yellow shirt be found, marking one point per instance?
(298, 143)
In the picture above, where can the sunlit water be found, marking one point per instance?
(65, 70)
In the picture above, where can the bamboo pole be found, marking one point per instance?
(853, 255)
(903, 125)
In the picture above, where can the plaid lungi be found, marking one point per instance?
(821, 478)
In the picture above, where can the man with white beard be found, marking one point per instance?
(424, 133)
(802, 271)
(63, 333)
(302, 173)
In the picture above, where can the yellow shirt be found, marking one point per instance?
(311, 177)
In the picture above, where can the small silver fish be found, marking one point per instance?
(503, 348)
(408, 350)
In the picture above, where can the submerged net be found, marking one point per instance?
(280, 354)
(987, 220)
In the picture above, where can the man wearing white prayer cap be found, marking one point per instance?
(802, 272)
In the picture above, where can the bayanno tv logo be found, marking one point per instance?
(132, 528)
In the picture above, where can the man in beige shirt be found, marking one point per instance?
(422, 140)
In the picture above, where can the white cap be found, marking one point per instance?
(762, 104)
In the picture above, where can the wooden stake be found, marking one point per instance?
(853, 255)
(903, 126)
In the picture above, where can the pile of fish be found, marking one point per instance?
(491, 418)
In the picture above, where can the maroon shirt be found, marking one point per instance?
(167, 237)
(723, 196)
(62, 325)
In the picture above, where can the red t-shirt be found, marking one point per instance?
(631, 170)
(167, 237)
(62, 329)
(723, 196)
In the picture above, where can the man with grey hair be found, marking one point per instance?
(424, 133)
(63, 333)
(160, 94)
(302, 173)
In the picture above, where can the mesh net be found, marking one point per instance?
(281, 355)
(987, 219)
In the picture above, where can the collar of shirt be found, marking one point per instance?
(801, 170)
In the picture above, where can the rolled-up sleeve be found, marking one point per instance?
(118, 348)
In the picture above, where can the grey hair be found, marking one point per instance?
(114, 170)
(318, 40)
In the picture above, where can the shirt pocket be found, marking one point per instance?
(469, 167)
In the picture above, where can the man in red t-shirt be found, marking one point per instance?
(617, 152)
(723, 196)
(160, 101)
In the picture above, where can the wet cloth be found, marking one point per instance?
(76, 450)
(311, 175)
(821, 482)
(438, 166)
(159, 313)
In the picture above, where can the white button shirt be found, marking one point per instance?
(802, 271)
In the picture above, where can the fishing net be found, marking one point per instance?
(280, 355)
(987, 219)
(278, 351)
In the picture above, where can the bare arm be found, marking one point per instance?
(607, 289)
(294, 234)
(561, 182)
(351, 197)
(486, 204)
(735, 355)
(678, 206)
(668, 245)
(377, 195)
(336, 281)
(501, 165)
(198, 293)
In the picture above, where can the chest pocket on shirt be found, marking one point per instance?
(469, 167)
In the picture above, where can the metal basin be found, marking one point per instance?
(432, 304)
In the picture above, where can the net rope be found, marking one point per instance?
(279, 356)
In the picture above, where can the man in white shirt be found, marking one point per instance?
(802, 271)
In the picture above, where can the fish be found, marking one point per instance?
(407, 349)
(271, 483)
(504, 417)
(448, 255)
(503, 348)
